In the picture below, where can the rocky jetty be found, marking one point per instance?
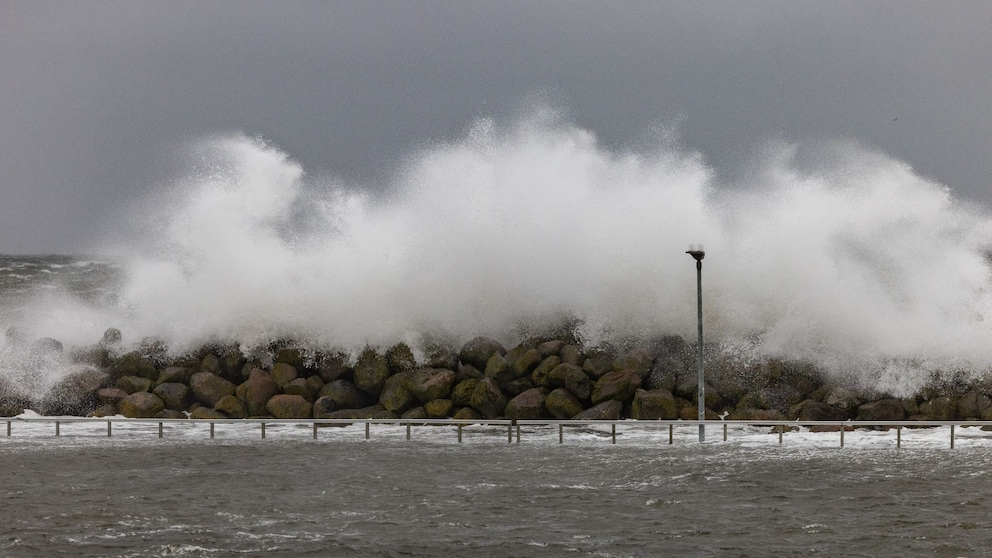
(542, 378)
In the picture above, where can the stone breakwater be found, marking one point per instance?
(541, 378)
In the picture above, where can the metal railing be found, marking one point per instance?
(513, 427)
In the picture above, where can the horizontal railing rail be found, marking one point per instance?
(514, 426)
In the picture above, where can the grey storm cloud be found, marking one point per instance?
(94, 95)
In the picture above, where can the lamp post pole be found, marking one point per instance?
(698, 253)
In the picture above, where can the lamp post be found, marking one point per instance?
(698, 253)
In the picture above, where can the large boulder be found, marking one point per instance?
(885, 409)
(461, 394)
(439, 408)
(597, 364)
(500, 370)
(478, 351)
(374, 411)
(141, 405)
(371, 372)
(173, 395)
(572, 378)
(488, 399)
(550, 348)
(810, 410)
(333, 367)
(607, 410)
(527, 362)
(174, 374)
(256, 391)
(440, 356)
(541, 373)
(639, 359)
(232, 407)
(133, 384)
(323, 407)
(427, 384)
(572, 354)
(304, 387)
(134, 364)
(210, 363)
(527, 405)
(940, 408)
(284, 406)
(283, 374)
(74, 394)
(654, 404)
(400, 358)
(562, 404)
(110, 396)
(972, 404)
(618, 385)
(209, 388)
(206, 413)
(345, 395)
(396, 396)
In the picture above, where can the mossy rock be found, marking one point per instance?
(141, 405)
(478, 351)
(174, 395)
(396, 396)
(540, 375)
(653, 405)
(284, 406)
(527, 406)
(439, 408)
(371, 372)
(562, 404)
(232, 407)
(134, 364)
(461, 394)
(134, 384)
(488, 399)
(400, 358)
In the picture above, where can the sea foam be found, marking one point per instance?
(853, 262)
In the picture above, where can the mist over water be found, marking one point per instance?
(848, 259)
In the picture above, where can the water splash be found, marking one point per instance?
(856, 262)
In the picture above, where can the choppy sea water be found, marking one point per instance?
(133, 494)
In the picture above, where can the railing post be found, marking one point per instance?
(211, 431)
(408, 431)
(671, 433)
(842, 427)
(367, 430)
(263, 430)
(509, 433)
(315, 431)
(613, 430)
(56, 428)
(898, 436)
(518, 432)
(561, 433)
(725, 432)
(460, 433)
(8, 428)
(110, 428)
(952, 436)
(160, 430)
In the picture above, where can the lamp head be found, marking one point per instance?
(696, 252)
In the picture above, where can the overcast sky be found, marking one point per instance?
(94, 95)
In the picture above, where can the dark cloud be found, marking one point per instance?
(94, 95)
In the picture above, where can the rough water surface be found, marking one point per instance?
(237, 495)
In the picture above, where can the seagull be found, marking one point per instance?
(724, 415)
